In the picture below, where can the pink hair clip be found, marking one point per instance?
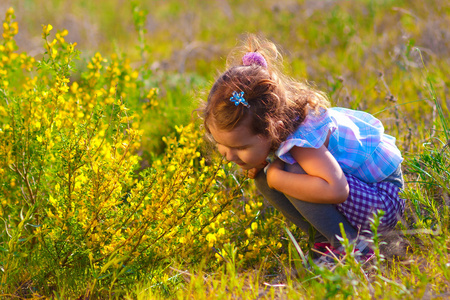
(254, 58)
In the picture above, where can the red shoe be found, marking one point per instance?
(326, 253)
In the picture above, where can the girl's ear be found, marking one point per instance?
(280, 124)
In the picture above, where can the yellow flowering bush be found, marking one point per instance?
(73, 201)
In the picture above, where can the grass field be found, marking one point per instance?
(108, 190)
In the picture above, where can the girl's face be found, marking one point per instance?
(242, 146)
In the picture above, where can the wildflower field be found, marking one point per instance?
(108, 189)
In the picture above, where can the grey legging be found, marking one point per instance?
(324, 218)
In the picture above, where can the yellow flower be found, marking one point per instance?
(46, 30)
(37, 125)
(221, 231)
(254, 226)
(3, 111)
(211, 238)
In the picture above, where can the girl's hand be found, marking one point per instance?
(274, 167)
(253, 172)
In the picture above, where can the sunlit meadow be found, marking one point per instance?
(109, 190)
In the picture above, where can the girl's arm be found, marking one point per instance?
(324, 181)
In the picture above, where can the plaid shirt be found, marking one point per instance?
(357, 142)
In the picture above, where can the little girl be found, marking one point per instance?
(332, 165)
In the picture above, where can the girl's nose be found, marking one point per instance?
(228, 153)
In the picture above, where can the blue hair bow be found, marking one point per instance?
(239, 98)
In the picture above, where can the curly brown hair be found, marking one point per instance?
(277, 104)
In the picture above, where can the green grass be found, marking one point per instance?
(390, 58)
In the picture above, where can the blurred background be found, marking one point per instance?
(366, 54)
